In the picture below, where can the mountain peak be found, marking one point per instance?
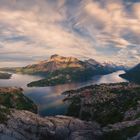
(56, 62)
(54, 56)
(59, 58)
(93, 62)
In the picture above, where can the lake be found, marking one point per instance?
(49, 99)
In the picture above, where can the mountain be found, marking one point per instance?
(55, 62)
(114, 67)
(109, 66)
(133, 74)
(60, 70)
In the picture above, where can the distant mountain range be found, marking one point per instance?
(133, 74)
(60, 70)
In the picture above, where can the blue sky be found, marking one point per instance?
(105, 30)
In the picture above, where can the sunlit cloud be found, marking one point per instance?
(32, 30)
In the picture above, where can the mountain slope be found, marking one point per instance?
(56, 62)
(61, 70)
(133, 74)
(105, 103)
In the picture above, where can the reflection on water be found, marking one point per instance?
(49, 99)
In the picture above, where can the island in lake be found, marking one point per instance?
(5, 75)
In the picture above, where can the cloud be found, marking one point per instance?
(35, 29)
(136, 10)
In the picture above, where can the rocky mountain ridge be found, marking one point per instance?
(57, 62)
(63, 70)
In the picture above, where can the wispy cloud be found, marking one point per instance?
(32, 30)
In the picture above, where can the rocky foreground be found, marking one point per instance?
(24, 125)
(107, 101)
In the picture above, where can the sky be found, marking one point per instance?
(105, 30)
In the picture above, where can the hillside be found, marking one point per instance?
(13, 97)
(56, 62)
(5, 75)
(62, 70)
(113, 108)
(105, 103)
(133, 74)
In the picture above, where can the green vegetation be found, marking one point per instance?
(122, 134)
(14, 98)
(74, 108)
(105, 103)
(63, 76)
(4, 112)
